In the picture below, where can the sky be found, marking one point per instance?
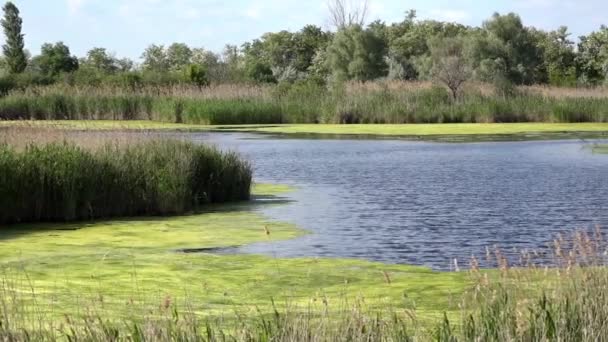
(127, 27)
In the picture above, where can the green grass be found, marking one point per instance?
(308, 102)
(104, 265)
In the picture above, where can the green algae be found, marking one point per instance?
(116, 268)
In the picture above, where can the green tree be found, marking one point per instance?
(307, 43)
(179, 56)
(356, 54)
(100, 60)
(155, 58)
(55, 59)
(559, 56)
(408, 50)
(197, 74)
(504, 43)
(592, 57)
(14, 53)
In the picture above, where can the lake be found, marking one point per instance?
(425, 203)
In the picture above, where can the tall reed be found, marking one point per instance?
(65, 181)
(308, 102)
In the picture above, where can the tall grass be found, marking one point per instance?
(65, 181)
(308, 102)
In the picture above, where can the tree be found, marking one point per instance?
(408, 50)
(559, 56)
(197, 75)
(100, 60)
(449, 63)
(179, 56)
(155, 58)
(124, 64)
(356, 54)
(14, 53)
(55, 59)
(504, 40)
(307, 43)
(592, 56)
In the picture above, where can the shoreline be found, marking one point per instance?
(413, 132)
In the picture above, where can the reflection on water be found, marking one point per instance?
(425, 203)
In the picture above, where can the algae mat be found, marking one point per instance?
(119, 267)
(456, 132)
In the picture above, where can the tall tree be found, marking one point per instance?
(179, 56)
(16, 59)
(155, 58)
(55, 59)
(592, 57)
(100, 60)
(356, 54)
(506, 46)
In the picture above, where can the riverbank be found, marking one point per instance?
(448, 132)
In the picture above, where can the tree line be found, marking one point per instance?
(502, 51)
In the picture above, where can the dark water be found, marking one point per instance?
(425, 203)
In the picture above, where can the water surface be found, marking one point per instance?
(425, 203)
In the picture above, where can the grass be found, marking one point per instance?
(64, 181)
(307, 102)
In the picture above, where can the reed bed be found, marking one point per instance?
(308, 102)
(46, 176)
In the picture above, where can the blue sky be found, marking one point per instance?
(126, 27)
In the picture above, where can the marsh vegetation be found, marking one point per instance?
(410, 71)
(50, 176)
(377, 103)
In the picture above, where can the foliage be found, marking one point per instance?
(197, 75)
(155, 58)
(592, 57)
(507, 48)
(559, 57)
(54, 59)
(449, 64)
(503, 52)
(179, 56)
(355, 54)
(14, 54)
